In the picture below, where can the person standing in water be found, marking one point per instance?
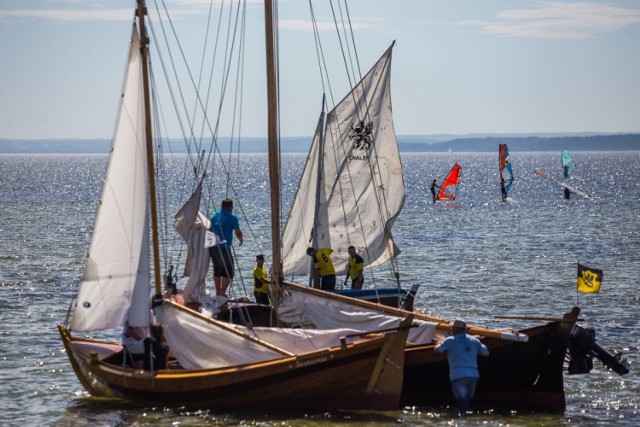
(462, 353)
(434, 185)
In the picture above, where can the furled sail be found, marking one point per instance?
(449, 187)
(568, 165)
(115, 283)
(192, 226)
(352, 187)
(506, 173)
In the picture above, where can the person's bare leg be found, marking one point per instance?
(216, 281)
(224, 285)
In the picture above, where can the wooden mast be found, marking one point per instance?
(144, 53)
(274, 152)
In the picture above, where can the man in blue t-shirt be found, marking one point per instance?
(223, 224)
(462, 352)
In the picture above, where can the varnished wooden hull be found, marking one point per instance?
(516, 375)
(365, 375)
(524, 376)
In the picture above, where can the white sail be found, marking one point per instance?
(115, 284)
(361, 187)
(192, 226)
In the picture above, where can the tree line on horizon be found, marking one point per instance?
(617, 142)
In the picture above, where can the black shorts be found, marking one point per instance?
(328, 283)
(222, 261)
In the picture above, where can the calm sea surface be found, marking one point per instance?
(475, 258)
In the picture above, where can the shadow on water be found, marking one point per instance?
(101, 411)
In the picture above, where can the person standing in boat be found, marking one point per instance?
(322, 262)
(356, 269)
(567, 193)
(224, 223)
(434, 185)
(462, 353)
(261, 281)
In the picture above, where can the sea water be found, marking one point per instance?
(474, 258)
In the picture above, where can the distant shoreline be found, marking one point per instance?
(407, 144)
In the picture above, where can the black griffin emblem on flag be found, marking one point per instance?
(361, 135)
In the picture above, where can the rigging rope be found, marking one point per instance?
(342, 19)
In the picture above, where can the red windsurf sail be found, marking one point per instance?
(450, 185)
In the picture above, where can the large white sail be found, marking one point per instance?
(115, 284)
(361, 187)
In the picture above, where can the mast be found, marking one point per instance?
(274, 153)
(144, 53)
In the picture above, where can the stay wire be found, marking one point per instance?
(214, 144)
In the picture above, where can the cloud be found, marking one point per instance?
(68, 15)
(323, 25)
(561, 20)
(81, 12)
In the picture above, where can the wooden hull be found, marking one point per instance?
(516, 375)
(363, 375)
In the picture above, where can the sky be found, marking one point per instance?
(459, 66)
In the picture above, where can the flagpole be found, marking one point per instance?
(577, 290)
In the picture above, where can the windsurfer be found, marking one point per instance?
(462, 353)
(322, 262)
(567, 193)
(434, 185)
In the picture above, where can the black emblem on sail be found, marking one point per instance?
(361, 135)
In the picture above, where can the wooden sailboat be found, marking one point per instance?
(525, 369)
(211, 364)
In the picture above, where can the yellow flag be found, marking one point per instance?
(589, 279)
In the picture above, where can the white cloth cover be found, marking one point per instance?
(305, 309)
(201, 344)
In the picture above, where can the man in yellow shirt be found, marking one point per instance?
(260, 281)
(356, 269)
(322, 262)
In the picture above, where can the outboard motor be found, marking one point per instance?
(583, 348)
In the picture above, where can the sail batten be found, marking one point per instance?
(118, 257)
(361, 186)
